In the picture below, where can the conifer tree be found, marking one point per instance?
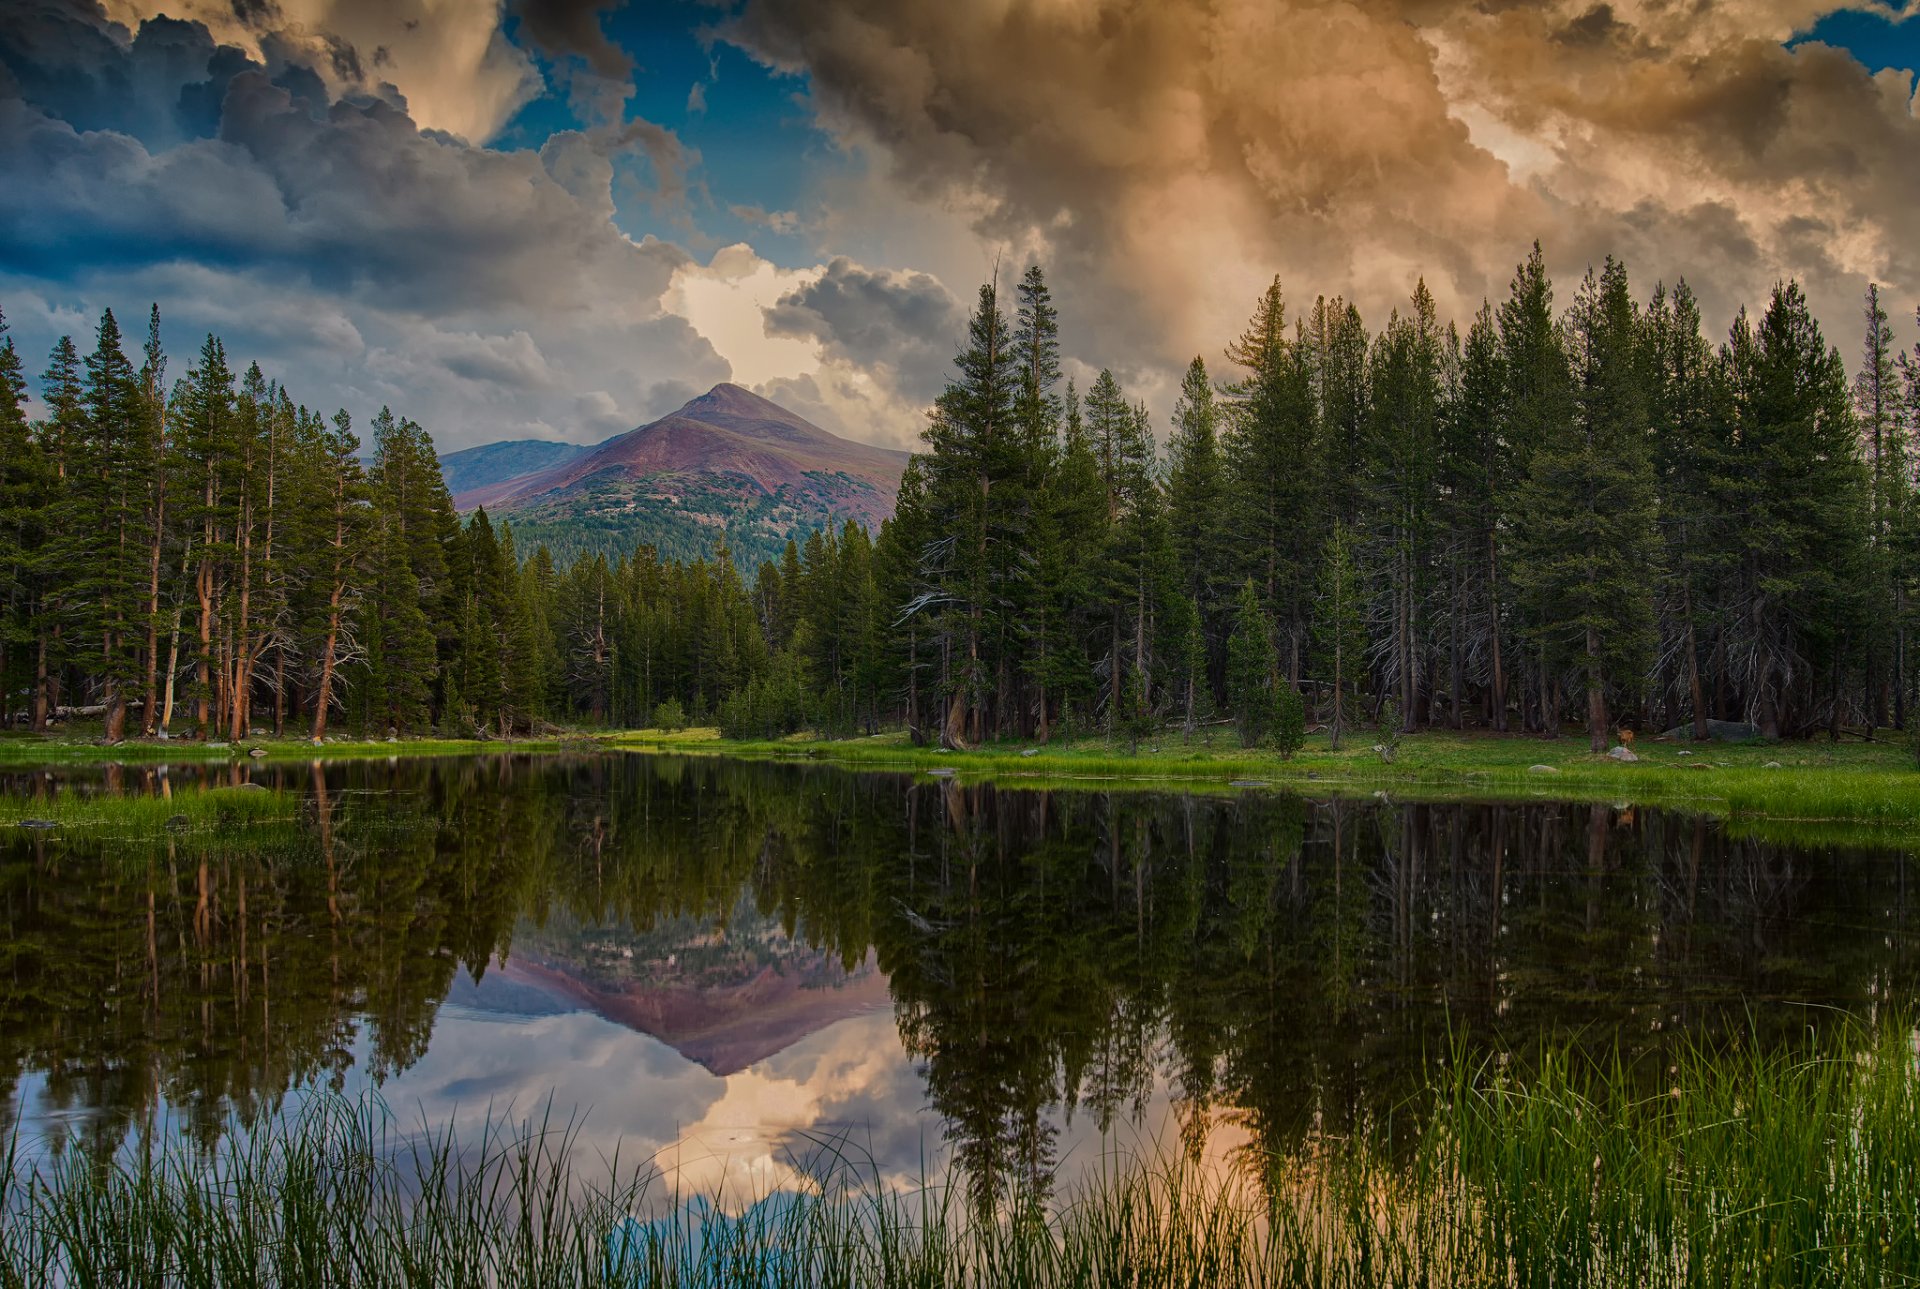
(337, 519)
(1802, 504)
(1686, 409)
(1537, 406)
(1250, 668)
(1402, 453)
(1884, 432)
(1340, 629)
(1197, 506)
(1588, 543)
(975, 449)
(20, 490)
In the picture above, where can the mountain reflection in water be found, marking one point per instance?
(768, 953)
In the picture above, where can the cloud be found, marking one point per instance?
(901, 326)
(361, 259)
(447, 61)
(569, 32)
(1165, 159)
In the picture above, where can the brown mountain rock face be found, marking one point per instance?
(727, 432)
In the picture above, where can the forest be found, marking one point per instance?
(1593, 516)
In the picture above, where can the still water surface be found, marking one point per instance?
(723, 964)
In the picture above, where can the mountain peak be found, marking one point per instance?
(729, 399)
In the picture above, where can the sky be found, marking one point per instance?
(559, 219)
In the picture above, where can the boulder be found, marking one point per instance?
(1542, 769)
(1246, 783)
(1771, 765)
(944, 772)
(1031, 751)
(38, 823)
(1623, 754)
(1718, 732)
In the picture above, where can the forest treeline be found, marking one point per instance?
(1593, 514)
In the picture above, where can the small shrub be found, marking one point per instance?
(1289, 719)
(669, 715)
(1388, 731)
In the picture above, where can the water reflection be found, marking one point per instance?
(704, 950)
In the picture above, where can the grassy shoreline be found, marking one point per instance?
(1853, 783)
(28, 751)
(1867, 787)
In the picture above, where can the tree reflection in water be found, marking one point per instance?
(1290, 966)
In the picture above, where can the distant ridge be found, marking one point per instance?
(729, 463)
(492, 463)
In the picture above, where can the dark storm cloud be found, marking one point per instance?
(1167, 157)
(598, 72)
(902, 323)
(571, 28)
(453, 277)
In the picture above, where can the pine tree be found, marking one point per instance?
(409, 571)
(1197, 508)
(20, 491)
(975, 449)
(1686, 407)
(1884, 441)
(338, 521)
(1277, 502)
(1340, 629)
(1537, 408)
(1250, 668)
(1588, 543)
(1801, 499)
(103, 514)
(1402, 453)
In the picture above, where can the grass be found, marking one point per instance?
(1750, 1167)
(80, 744)
(1860, 783)
(228, 811)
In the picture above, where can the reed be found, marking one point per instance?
(1731, 1166)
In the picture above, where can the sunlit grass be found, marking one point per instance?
(1863, 783)
(1728, 1167)
(78, 810)
(80, 747)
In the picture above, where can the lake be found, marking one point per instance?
(728, 966)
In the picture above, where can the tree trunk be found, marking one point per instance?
(1499, 676)
(173, 663)
(323, 696)
(1596, 695)
(1695, 689)
(42, 682)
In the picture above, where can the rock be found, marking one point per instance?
(1623, 754)
(1542, 769)
(211, 746)
(1685, 753)
(38, 823)
(179, 823)
(944, 772)
(256, 751)
(1771, 765)
(1313, 774)
(1031, 751)
(1718, 731)
(249, 787)
(1247, 783)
